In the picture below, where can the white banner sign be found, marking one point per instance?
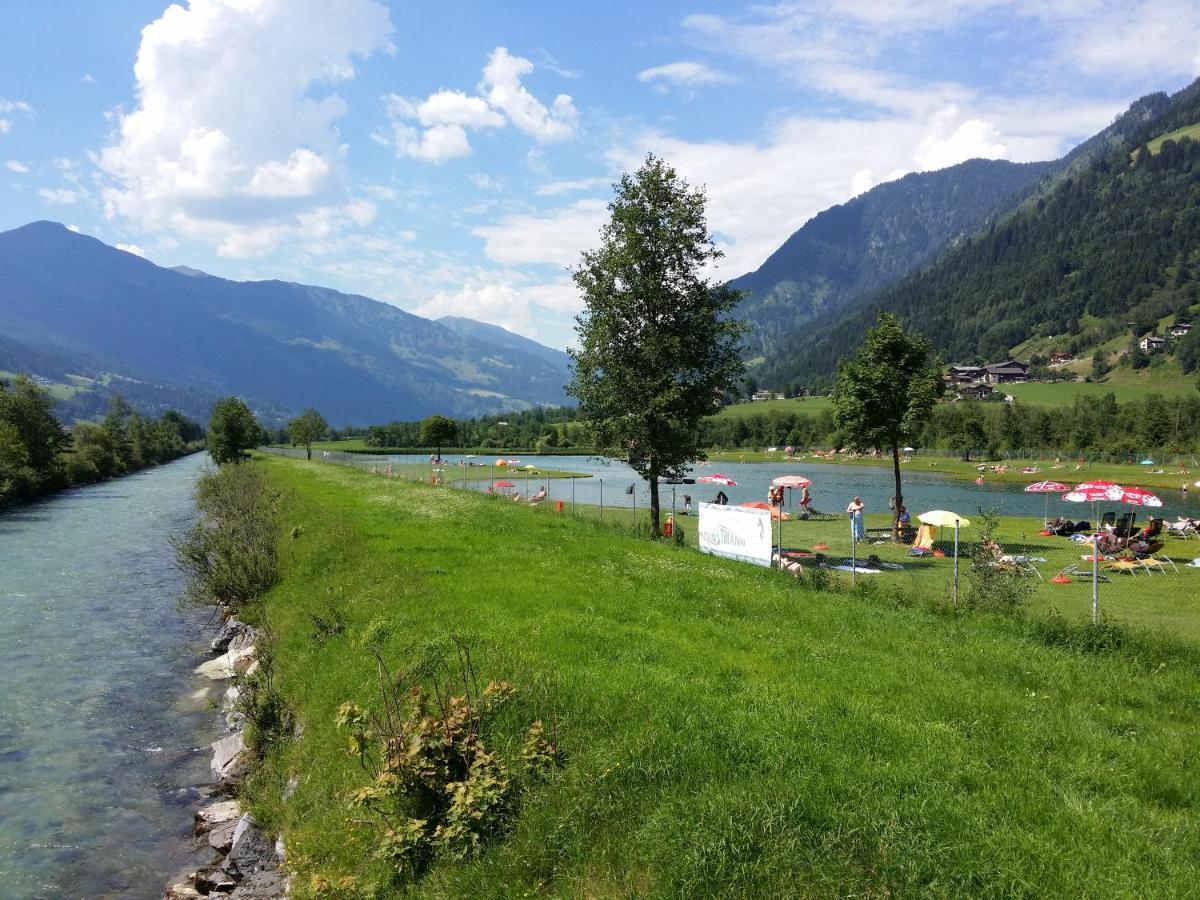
(738, 532)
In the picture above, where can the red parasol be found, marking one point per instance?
(716, 478)
(776, 513)
(1047, 488)
(791, 481)
(502, 485)
(1136, 496)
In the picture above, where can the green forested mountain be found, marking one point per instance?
(1108, 246)
(872, 241)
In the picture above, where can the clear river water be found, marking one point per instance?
(103, 742)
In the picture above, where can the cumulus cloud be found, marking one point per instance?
(553, 238)
(9, 108)
(533, 309)
(571, 186)
(445, 116)
(132, 248)
(233, 141)
(686, 74)
(971, 139)
(15, 165)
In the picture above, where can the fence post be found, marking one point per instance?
(1095, 577)
(601, 499)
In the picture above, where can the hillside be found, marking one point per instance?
(872, 241)
(69, 297)
(1109, 247)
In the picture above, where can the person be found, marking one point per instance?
(687, 504)
(539, 496)
(806, 500)
(903, 517)
(721, 499)
(855, 510)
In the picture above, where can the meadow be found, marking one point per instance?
(810, 405)
(728, 730)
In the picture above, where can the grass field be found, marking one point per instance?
(729, 731)
(1123, 384)
(807, 405)
(1188, 131)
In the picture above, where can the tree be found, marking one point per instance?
(232, 430)
(1138, 359)
(1099, 365)
(656, 342)
(309, 426)
(886, 392)
(33, 438)
(437, 431)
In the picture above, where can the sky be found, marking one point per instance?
(456, 158)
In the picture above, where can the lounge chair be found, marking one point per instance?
(1108, 520)
(1124, 566)
(1157, 564)
(1184, 528)
(1074, 572)
(1124, 526)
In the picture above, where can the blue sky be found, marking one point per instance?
(456, 158)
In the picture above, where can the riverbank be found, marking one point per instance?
(727, 730)
(1171, 478)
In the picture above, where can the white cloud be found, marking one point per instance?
(446, 115)
(59, 196)
(554, 238)
(503, 89)
(7, 108)
(234, 141)
(571, 186)
(88, 78)
(14, 165)
(686, 74)
(970, 139)
(533, 310)
(132, 248)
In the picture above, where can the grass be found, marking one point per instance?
(763, 407)
(730, 732)
(1188, 131)
(1127, 385)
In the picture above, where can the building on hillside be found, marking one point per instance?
(765, 395)
(1008, 372)
(1179, 329)
(978, 390)
(1152, 343)
(964, 374)
(1058, 357)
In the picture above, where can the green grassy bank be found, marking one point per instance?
(729, 731)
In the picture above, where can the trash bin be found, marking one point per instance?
(558, 506)
(668, 527)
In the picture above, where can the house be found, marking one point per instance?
(765, 395)
(1179, 329)
(1008, 372)
(978, 390)
(964, 374)
(1058, 357)
(1152, 343)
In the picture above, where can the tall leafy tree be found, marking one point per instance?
(232, 430)
(307, 427)
(886, 392)
(438, 431)
(33, 438)
(656, 341)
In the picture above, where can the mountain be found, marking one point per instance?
(287, 346)
(872, 241)
(1108, 240)
(502, 337)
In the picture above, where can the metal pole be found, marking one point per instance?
(601, 499)
(853, 550)
(1095, 577)
(572, 495)
(956, 562)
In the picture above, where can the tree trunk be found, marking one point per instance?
(308, 450)
(654, 529)
(899, 492)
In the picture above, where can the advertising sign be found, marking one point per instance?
(736, 532)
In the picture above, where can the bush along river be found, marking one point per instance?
(105, 730)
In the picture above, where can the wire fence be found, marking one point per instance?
(1105, 571)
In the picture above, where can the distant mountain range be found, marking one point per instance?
(72, 305)
(984, 257)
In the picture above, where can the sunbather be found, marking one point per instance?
(538, 497)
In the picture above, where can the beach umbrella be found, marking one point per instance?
(1047, 488)
(776, 512)
(789, 449)
(942, 518)
(1136, 496)
(716, 478)
(501, 463)
(909, 449)
(502, 485)
(1092, 492)
(791, 481)
(1146, 462)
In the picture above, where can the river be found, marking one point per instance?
(100, 733)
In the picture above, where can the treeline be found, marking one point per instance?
(541, 430)
(1091, 425)
(38, 455)
(1108, 249)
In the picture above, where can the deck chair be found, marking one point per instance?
(1123, 566)
(1109, 518)
(1124, 526)
(1074, 572)
(1158, 564)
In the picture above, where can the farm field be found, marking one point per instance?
(1127, 389)
(728, 731)
(808, 405)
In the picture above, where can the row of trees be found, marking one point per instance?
(38, 455)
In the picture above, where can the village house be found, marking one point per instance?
(765, 395)
(1058, 357)
(1008, 372)
(1152, 343)
(1179, 329)
(978, 390)
(964, 374)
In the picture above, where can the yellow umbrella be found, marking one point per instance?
(942, 518)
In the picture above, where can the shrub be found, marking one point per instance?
(995, 585)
